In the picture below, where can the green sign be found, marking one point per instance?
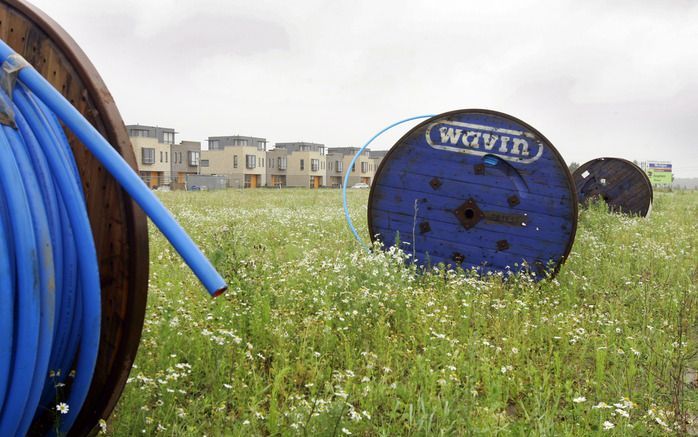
(659, 177)
(659, 172)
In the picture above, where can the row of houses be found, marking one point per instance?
(245, 162)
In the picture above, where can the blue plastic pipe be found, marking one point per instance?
(121, 171)
(353, 161)
(50, 297)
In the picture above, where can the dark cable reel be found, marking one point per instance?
(477, 189)
(621, 184)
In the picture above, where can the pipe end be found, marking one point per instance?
(219, 291)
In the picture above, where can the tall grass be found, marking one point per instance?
(316, 337)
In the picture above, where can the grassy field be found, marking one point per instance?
(316, 337)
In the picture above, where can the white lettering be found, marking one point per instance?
(524, 149)
(515, 147)
(503, 148)
(490, 141)
(480, 140)
(474, 143)
(450, 134)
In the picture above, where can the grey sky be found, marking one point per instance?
(597, 79)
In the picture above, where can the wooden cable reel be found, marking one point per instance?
(118, 225)
(477, 189)
(620, 183)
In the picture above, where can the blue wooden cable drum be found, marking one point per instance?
(621, 184)
(477, 189)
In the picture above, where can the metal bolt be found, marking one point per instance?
(458, 257)
(424, 227)
(435, 183)
(513, 200)
(502, 245)
(480, 169)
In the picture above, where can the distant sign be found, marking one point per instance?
(659, 172)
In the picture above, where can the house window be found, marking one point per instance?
(250, 161)
(239, 142)
(168, 137)
(235, 161)
(161, 156)
(364, 167)
(213, 144)
(193, 158)
(204, 162)
(314, 164)
(340, 166)
(165, 156)
(261, 145)
(148, 155)
(353, 168)
(139, 133)
(281, 162)
(302, 164)
(262, 162)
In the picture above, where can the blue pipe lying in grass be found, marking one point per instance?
(50, 303)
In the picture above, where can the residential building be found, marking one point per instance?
(151, 145)
(303, 165)
(377, 157)
(277, 167)
(334, 173)
(241, 159)
(220, 143)
(184, 160)
(363, 170)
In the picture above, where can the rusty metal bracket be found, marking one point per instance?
(469, 214)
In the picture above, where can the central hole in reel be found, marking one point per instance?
(469, 213)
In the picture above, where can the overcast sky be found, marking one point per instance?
(597, 78)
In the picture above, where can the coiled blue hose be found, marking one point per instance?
(50, 298)
(351, 165)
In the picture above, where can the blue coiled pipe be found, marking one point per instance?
(50, 307)
(347, 216)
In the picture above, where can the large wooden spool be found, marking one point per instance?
(621, 184)
(118, 224)
(477, 189)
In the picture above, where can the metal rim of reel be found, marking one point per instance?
(556, 154)
(577, 175)
(118, 224)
